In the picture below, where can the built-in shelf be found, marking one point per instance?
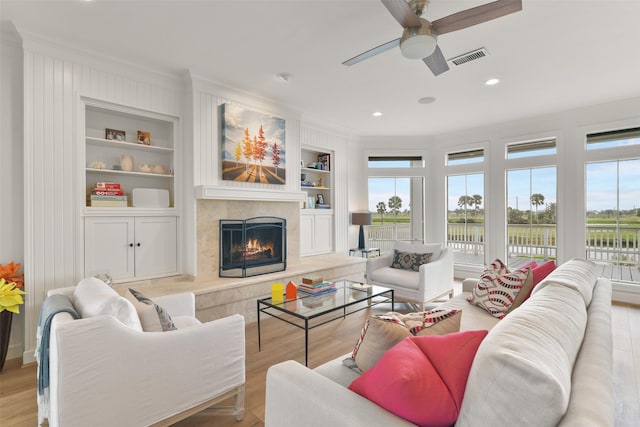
(127, 145)
(117, 172)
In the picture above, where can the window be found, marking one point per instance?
(465, 157)
(613, 218)
(396, 162)
(613, 139)
(396, 198)
(465, 217)
(531, 215)
(532, 148)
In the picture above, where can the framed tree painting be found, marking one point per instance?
(253, 146)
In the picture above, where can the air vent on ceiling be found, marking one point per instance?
(469, 56)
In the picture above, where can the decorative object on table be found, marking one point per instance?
(361, 219)
(96, 164)
(143, 137)
(126, 162)
(318, 289)
(277, 292)
(115, 135)
(312, 280)
(325, 162)
(11, 291)
(292, 290)
(253, 146)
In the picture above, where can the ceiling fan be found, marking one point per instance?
(419, 39)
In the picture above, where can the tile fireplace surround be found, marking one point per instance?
(217, 297)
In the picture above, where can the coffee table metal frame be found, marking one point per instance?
(372, 296)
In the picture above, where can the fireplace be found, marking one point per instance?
(253, 246)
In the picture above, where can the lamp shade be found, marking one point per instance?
(361, 218)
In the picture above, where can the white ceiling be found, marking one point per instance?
(552, 56)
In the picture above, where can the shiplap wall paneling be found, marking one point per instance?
(52, 220)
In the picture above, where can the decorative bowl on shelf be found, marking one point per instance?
(144, 168)
(97, 164)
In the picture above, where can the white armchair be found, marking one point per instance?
(105, 373)
(433, 280)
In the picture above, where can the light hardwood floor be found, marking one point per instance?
(281, 342)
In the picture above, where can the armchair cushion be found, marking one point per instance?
(409, 260)
(153, 317)
(93, 297)
(435, 249)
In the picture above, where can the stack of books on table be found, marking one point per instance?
(318, 288)
(107, 194)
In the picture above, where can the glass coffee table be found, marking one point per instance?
(309, 311)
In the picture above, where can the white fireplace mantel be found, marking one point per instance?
(234, 193)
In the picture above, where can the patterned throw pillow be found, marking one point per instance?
(409, 260)
(496, 293)
(153, 317)
(423, 379)
(383, 331)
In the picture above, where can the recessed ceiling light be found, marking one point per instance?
(427, 100)
(377, 114)
(492, 82)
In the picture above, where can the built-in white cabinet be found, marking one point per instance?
(316, 218)
(131, 248)
(129, 151)
(316, 232)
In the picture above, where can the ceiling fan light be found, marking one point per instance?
(419, 46)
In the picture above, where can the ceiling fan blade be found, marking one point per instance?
(476, 15)
(372, 52)
(401, 10)
(436, 62)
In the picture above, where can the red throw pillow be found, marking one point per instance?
(540, 272)
(422, 379)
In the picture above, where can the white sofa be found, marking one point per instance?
(106, 373)
(432, 281)
(548, 362)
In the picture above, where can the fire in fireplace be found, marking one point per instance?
(253, 246)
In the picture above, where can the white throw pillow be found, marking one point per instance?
(93, 297)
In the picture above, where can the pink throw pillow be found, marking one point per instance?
(422, 379)
(542, 271)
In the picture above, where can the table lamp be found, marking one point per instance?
(361, 219)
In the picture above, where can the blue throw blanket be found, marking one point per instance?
(53, 305)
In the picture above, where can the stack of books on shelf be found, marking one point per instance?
(107, 194)
(316, 286)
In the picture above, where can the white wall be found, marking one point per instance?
(11, 167)
(55, 78)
